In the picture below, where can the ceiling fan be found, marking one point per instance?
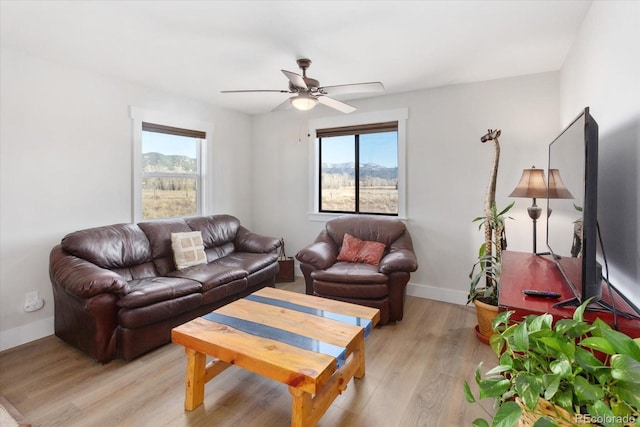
(308, 92)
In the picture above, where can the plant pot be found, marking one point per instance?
(545, 408)
(560, 417)
(486, 313)
(482, 338)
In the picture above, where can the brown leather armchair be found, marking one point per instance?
(381, 286)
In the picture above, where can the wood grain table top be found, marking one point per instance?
(296, 339)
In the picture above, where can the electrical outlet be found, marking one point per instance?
(32, 301)
(31, 297)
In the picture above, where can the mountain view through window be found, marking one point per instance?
(359, 173)
(169, 175)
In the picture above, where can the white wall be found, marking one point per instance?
(66, 149)
(65, 161)
(602, 71)
(447, 170)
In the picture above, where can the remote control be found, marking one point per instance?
(541, 294)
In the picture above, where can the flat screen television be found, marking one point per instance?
(572, 202)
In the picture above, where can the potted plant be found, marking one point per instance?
(567, 374)
(485, 273)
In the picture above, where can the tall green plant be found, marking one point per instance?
(487, 267)
(559, 363)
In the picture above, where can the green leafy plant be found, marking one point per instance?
(560, 364)
(485, 272)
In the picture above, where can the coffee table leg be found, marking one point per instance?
(359, 354)
(306, 410)
(301, 408)
(195, 379)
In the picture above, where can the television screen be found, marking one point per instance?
(572, 179)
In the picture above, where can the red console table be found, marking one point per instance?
(529, 271)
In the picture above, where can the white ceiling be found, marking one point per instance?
(198, 48)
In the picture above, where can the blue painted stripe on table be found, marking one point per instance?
(344, 318)
(296, 340)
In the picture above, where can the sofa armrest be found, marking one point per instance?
(321, 255)
(398, 260)
(246, 241)
(401, 256)
(82, 278)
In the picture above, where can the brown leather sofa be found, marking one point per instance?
(118, 294)
(381, 286)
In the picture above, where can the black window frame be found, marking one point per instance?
(354, 131)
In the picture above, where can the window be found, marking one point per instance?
(357, 164)
(170, 171)
(169, 159)
(359, 169)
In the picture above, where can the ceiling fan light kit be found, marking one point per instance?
(303, 101)
(308, 91)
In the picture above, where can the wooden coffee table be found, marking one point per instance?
(312, 344)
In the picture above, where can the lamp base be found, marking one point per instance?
(534, 212)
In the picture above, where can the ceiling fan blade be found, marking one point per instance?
(353, 88)
(285, 105)
(295, 79)
(334, 103)
(255, 90)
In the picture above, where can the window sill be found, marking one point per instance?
(326, 216)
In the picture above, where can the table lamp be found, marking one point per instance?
(557, 189)
(532, 185)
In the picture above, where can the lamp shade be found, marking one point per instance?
(303, 101)
(532, 184)
(557, 189)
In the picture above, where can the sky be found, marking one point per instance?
(380, 148)
(155, 142)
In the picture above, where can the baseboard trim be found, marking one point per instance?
(439, 294)
(27, 333)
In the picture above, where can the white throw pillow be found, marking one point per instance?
(188, 249)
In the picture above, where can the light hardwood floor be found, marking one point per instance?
(414, 376)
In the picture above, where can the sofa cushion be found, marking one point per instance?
(112, 247)
(161, 311)
(350, 290)
(350, 280)
(366, 227)
(140, 271)
(159, 234)
(211, 275)
(188, 249)
(349, 272)
(357, 250)
(154, 289)
(250, 262)
(258, 279)
(216, 229)
(225, 291)
(216, 252)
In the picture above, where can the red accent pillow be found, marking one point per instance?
(357, 250)
(350, 248)
(371, 253)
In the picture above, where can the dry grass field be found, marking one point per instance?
(168, 203)
(372, 199)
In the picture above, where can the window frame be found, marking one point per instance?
(356, 132)
(167, 120)
(399, 115)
